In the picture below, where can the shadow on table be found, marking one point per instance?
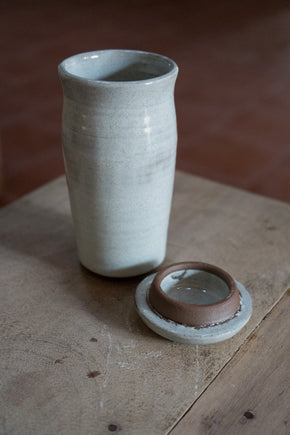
(42, 238)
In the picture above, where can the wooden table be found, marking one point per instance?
(76, 358)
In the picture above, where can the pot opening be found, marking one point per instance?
(118, 65)
(195, 287)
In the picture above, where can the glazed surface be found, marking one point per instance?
(119, 144)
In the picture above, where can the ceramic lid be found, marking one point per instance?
(193, 302)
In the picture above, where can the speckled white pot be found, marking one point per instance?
(119, 144)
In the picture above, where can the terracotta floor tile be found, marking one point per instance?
(232, 93)
(275, 180)
(224, 160)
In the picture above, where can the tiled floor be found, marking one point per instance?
(232, 94)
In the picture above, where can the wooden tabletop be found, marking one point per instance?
(76, 358)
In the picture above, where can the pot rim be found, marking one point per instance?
(63, 68)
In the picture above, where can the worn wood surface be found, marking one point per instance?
(76, 359)
(252, 393)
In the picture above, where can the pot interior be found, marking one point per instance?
(195, 287)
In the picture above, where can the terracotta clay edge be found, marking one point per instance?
(192, 314)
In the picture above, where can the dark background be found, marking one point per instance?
(232, 93)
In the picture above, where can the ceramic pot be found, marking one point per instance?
(119, 145)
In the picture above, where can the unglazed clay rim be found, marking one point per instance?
(192, 314)
(189, 334)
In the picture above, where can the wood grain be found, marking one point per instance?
(252, 394)
(60, 323)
